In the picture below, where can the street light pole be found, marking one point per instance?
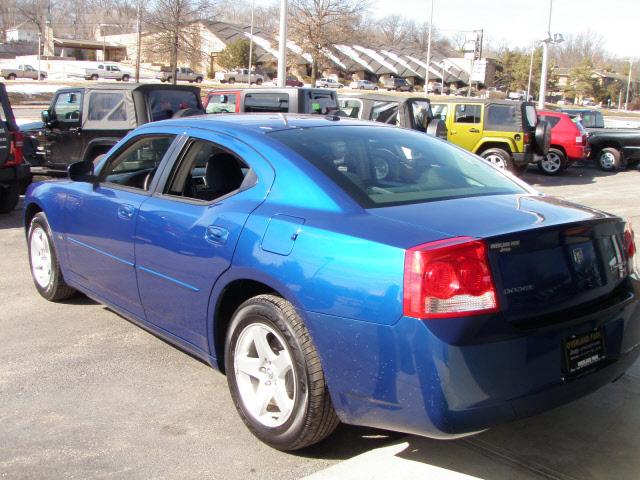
(426, 76)
(626, 101)
(545, 60)
(533, 49)
(39, 43)
(251, 40)
(282, 53)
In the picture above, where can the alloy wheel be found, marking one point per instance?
(265, 375)
(496, 160)
(40, 252)
(551, 163)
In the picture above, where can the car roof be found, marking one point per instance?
(131, 87)
(486, 101)
(379, 97)
(265, 122)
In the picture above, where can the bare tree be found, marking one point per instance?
(176, 27)
(317, 25)
(393, 29)
(576, 48)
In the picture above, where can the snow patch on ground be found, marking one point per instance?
(35, 87)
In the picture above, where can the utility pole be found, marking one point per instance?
(251, 40)
(138, 40)
(426, 76)
(626, 101)
(282, 53)
(39, 43)
(545, 60)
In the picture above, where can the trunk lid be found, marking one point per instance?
(547, 255)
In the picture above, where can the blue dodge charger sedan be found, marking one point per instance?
(344, 271)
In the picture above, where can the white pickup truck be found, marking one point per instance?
(184, 74)
(106, 70)
(241, 75)
(22, 71)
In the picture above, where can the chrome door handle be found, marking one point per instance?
(474, 130)
(126, 211)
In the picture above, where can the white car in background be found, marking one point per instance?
(363, 85)
(326, 82)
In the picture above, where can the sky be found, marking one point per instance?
(520, 22)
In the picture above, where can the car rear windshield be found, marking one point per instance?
(381, 167)
(165, 103)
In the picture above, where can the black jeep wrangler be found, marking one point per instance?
(84, 123)
(14, 172)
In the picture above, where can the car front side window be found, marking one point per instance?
(67, 107)
(136, 165)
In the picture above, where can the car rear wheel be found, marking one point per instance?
(608, 159)
(11, 76)
(232, 80)
(199, 80)
(498, 158)
(553, 163)
(275, 377)
(43, 260)
(259, 81)
(9, 197)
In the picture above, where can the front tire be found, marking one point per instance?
(608, 159)
(553, 163)
(125, 78)
(45, 269)
(94, 77)
(275, 377)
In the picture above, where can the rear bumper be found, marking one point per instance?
(405, 378)
(576, 153)
(526, 158)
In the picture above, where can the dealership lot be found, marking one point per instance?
(85, 393)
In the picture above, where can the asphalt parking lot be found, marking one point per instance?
(86, 394)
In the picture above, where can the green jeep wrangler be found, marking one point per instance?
(505, 133)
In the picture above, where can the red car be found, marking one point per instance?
(568, 142)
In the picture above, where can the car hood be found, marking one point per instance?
(490, 216)
(31, 126)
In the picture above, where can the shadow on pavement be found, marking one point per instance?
(580, 174)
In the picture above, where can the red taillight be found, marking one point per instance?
(448, 278)
(629, 244)
(527, 138)
(16, 142)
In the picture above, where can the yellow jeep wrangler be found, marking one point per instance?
(505, 133)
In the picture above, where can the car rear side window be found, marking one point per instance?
(440, 111)
(266, 102)
(502, 118)
(467, 114)
(320, 102)
(552, 121)
(165, 103)
(387, 166)
(352, 107)
(385, 112)
(107, 106)
(206, 172)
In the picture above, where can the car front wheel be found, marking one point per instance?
(45, 269)
(275, 377)
(553, 163)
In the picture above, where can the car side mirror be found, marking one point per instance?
(82, 172)
(46, 117)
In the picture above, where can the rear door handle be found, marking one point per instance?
(453, 132)
(126, 211)
(474, 130)
(215, 234)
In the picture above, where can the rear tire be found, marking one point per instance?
(11, 76)
(499, 158)
(553, 163)
(9, 197)
(199, 80)
(608, 159)
(268, 343)
(45, 269)
(259, 81)
(232, 80)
